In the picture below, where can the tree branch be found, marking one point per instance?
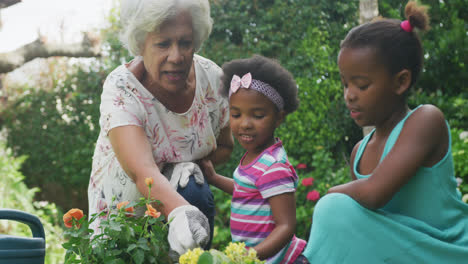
(7, 3)
(89, 47)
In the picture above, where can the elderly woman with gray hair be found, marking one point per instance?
(162, 108)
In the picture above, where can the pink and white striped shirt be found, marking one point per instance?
(270, 174)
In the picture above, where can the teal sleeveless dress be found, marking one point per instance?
(425, 222)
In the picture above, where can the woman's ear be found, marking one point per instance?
(280, 119)
(403, 81)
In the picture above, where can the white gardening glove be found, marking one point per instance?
(188, 228)
(181, 173)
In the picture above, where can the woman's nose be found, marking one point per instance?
(175, 55)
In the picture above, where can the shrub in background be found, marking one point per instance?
(16, 195)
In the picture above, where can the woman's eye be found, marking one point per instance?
(186, 43)
(162, 44)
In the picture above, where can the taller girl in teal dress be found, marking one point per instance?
(403, 205)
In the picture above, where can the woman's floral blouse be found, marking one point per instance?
(174, 137)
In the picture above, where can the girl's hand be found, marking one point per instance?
(221, 182)
(208, 170)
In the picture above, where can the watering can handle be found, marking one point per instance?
(26, 218)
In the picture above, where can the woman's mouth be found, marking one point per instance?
(175, 75)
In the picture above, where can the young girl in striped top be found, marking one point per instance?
(263, 208)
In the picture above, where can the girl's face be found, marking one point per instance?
(253, 121)
(369, 88)
(168, 53)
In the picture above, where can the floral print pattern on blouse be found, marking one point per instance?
(174, 137)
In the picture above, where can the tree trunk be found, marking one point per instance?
(368, 10)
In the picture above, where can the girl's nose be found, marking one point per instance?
(246, 123)
(349, 94)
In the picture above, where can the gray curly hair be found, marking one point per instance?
(140, 17)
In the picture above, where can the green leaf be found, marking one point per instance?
(205, 258)
(138, 256)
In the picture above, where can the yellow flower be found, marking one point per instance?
(191, 256)
(235, 251)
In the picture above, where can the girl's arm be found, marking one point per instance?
(423, 141)
(221, 182)
(134, 154)
(283, 207)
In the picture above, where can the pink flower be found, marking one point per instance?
(301, 166)
(313, 195)
(307, 181)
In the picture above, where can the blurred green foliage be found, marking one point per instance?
(57, 128)
(16, 195)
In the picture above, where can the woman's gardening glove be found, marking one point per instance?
(188, 229)
(178, 174)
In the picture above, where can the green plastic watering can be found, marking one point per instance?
(22, 250)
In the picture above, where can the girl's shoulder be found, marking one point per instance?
(427, 117)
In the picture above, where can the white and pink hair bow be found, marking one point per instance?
(238, 82)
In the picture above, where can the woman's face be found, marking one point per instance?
(168, 54)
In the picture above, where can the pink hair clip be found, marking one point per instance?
(406, 26)
(243, 82)
(247, 82)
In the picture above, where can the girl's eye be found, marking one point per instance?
(235, 115)
(259, 116)
(364, 87)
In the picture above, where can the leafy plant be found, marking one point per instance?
(16, 195)
(124, 237)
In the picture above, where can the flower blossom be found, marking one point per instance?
(191, 256)
(301, 166)
(149, 182)
(72, 213)
(307, 181)
(313, 195)
(152, 212)
(124, 204)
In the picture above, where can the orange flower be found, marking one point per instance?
(122, 205)
(149, 182)
(72, 213)
(152, 212)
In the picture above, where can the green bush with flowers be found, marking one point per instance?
(124, 237)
